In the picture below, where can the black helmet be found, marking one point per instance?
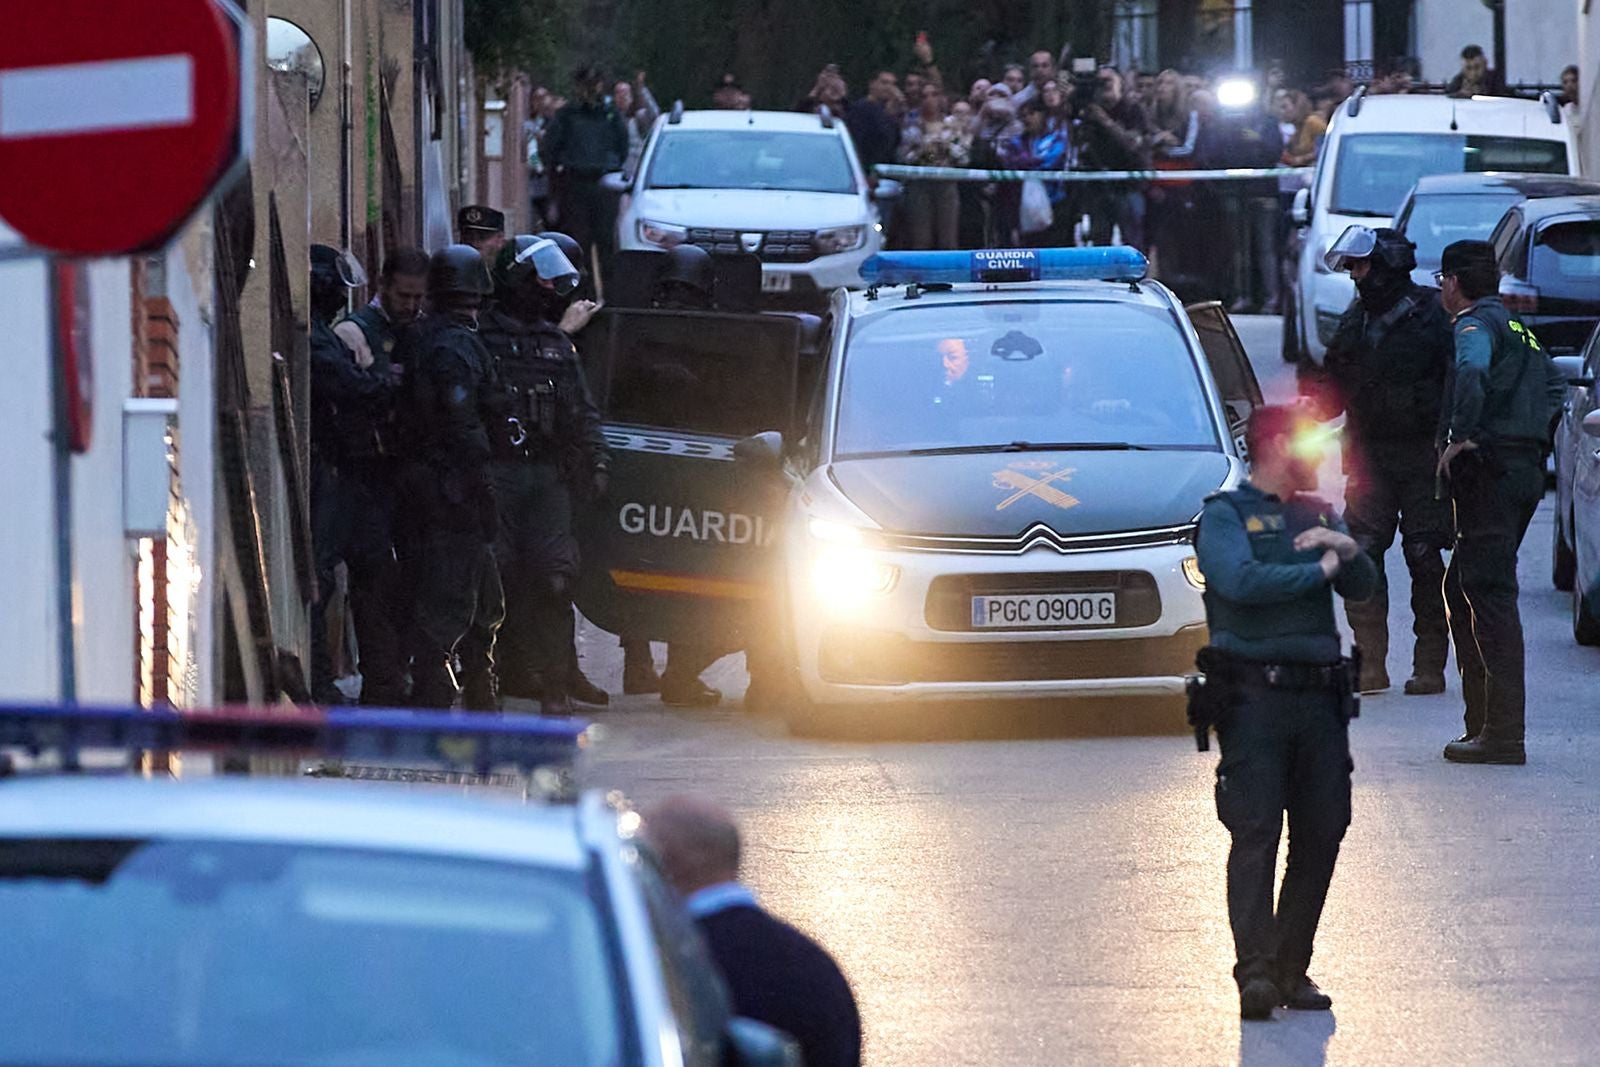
(526, 256)
(1389, 248)
(332, 268)
(569, 248)
(458, 270)
(688, 265)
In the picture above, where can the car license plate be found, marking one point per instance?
(1026, 610)
(773, 282)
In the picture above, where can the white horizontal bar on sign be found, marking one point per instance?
(113, 94)
(964, 174)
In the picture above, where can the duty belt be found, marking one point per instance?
(1241, 671)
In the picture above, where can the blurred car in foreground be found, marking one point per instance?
(253, 920)
(1575, 533)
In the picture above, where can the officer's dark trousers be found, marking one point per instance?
(1495, 493)
(1282, 750)
(588, 214)
(459, 602)
(539, 565)
(1392, 487)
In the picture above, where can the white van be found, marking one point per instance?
(1376, 149)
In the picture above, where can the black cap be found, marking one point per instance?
(478, 217)
(1467, 256)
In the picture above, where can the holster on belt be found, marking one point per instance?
(1224, 674)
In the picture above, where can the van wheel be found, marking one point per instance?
(1563, 561)
(1585, 624)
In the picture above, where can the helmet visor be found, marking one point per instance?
(1356, 242)
(551, 264)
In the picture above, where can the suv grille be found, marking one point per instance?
(777, 246)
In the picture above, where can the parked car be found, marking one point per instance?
(786, 187)
(1575, 550)
(1376, 149)
(1445, 208)
(1549, 257)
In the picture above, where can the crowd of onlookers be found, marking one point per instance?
(1051, 114)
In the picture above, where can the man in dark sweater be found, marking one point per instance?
(775, 974)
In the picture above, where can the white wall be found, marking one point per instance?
(1539, 37)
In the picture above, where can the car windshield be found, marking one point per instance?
(173, 952)
(1566, 260)
(1018, 374)
(751, 159)
(1436, 221)
(1374, 170)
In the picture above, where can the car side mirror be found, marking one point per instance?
(1591, 423)
(753, 1044)
(1300, 210)
(887, 191)
(763, 450)
(616, 182)
(1568, 366)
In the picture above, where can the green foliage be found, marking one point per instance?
(517, 35)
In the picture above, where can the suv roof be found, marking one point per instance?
(1539, 210)
(793, 121)
(1532, 186)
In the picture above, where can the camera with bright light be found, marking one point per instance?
(1236, 94)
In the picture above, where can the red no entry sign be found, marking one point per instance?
(117, 117)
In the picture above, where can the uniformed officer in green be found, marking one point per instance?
(1280, 697)
(453, 399)
(374, 331)
(1502, 398)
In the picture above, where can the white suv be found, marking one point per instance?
(1376, 149)
(784, 186)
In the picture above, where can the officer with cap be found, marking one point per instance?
(1503, 397)
(352, 452)
(1385, 368)
(483, 228)
(1280, 697)
(549, 449)
(454, 405)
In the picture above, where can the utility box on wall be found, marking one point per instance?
(147, 466)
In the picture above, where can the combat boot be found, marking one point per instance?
(1421, 684)
(1304, 995)
(639, 669)
(1485, 749)
(689, 693)
(586, 692)
(1257, 997)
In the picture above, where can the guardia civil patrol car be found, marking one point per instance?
(993, 487)
(252, 920)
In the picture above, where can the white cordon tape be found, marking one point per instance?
(900, 172)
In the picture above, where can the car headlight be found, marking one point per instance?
(662, 234)
(1191, 571)
(845, 572)
(841, 239)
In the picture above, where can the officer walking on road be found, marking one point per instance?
(548, 450)
(1280, 698)
(1386, 368)
(352, 490)
(1503, 397)
(454, 400)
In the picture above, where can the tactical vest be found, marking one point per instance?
(1272, 527)
(382, 337)
(1391, 367)
(538, 369)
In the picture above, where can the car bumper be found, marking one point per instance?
(910, 645)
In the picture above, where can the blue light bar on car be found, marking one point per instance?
(1116, 263)
(475, 743)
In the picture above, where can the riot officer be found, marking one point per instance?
(352, 490)
(1280, 698)
(373, 331)
(1503, 398)
(548, 451)
(454, 401)
(686, 283)
(1386, 367)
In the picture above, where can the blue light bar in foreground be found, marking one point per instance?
(465, 741)
(1115, 263)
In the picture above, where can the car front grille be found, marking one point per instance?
(859, 657)
(777, 246)
(949, 604)
(1041, 536)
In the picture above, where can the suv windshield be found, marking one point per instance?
(225, 953)
(751, 159)
(1436, 221)
(1374, 170)
(975, 376)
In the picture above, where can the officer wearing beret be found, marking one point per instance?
(1280, 697)
(1503, 396)
(483, 228)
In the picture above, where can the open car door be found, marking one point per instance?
(680, 549)
(1230, 366)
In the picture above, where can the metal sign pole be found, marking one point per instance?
(61, 457)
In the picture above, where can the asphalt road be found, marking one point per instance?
(1044, 895)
